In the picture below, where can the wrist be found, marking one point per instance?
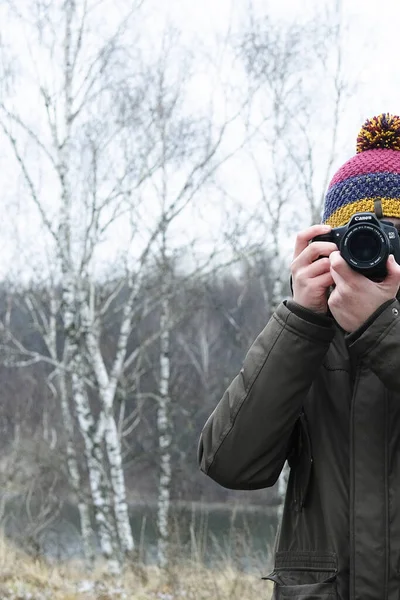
(318, 310)
(317, 318)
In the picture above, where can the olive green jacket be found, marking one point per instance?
(329, 403)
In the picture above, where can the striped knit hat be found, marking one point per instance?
(370, 181)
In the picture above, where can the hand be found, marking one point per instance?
(355, 297)
(311, 278)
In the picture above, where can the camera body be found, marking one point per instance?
(365, 244)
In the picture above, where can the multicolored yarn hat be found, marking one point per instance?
(370, 181)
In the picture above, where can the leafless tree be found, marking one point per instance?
(298, 90)
(122, 158)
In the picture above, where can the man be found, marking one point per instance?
(320, 387)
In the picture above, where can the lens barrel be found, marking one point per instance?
(365, 247)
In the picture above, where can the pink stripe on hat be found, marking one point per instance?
(369, 161)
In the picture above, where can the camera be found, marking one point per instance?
(365, 244)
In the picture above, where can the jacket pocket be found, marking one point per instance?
(304, 575)
(319, 591)
(300, 461)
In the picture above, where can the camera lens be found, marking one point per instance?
(364, 246)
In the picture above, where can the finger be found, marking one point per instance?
(318, 267)
(392, 266)
(312, 252)
(323, 281)
(304, 237)
(340, 271)
(341, 267)
(339, 281)
(393, 270)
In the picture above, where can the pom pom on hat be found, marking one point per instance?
(372, 174)
(379, 132)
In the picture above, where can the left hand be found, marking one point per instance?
(355, 297)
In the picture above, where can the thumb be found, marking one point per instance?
(393, 270)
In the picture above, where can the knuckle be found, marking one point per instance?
(301, 238)
(334, 257)
(314, 249)
(300, 278)
(343, 292)
(294, 270)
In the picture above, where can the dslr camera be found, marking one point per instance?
(365, 244)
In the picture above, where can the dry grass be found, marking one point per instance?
(22, 578)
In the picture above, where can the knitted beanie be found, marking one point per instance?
(370, 181)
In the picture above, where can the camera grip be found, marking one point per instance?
(324, 237)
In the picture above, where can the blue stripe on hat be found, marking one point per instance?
(356, 188)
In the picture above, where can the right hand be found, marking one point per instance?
(311, 278)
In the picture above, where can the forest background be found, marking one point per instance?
(156, 164)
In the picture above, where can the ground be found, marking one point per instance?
(23, 578)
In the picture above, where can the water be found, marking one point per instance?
(209, 534)
(240, 535)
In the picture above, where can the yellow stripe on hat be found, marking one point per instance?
(390, 207)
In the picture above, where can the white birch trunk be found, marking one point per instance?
(164, 437)
(107, 386)
(86, 532)
(92, 443)
(282, 485)
(75, 479)
(93, 451)
(71, 300)
(276, 296)
(107, 389)
(113, 448)
(95, 466)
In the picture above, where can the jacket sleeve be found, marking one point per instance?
(377, 346)
(245, 441)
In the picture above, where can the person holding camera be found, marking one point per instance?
(320, 388)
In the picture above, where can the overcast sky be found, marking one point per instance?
(370, 56)
(371, 42)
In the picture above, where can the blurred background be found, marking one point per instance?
(156, 162)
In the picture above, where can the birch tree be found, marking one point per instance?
(190, 152)
(46, 323)
(67, 101)
(164, 413)
(107, 141)
(298, 90)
